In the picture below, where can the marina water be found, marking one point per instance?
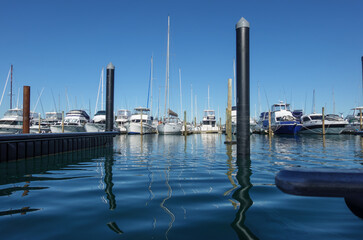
(176, 187)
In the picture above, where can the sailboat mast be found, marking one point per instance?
(181, 99)
(234, 80)
(101, 89)
(167, 71)
(333, 102)
(11, 88)
(313, 101)
(196, 111)
(208, 98)
(151, 86)
(191, 102)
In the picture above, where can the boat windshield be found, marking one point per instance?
(279, 107)
(13, 113)
(209, 113)
(100, 113)
(123, 113)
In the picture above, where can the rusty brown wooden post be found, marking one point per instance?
(26, 108)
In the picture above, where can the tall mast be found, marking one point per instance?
(167, 72)
(196, 111)
(11, 88)
(181, 99)
(151, 87)
(208, 98)
(191, 102)
(234, 80)
(313, 101)
(333, 102)
(259, 98)
(102, 99)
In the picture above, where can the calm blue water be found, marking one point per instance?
(169, 187)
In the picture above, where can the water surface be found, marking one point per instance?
(172, 187)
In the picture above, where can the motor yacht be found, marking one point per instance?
(141, 122)
(74, 121)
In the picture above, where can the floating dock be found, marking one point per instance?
(23, 146)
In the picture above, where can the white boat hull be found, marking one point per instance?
(11, 129)
(209, 129)
(35, 129)
(170, 128)
(95, 127)
(135, 128)
(67, 128)
(318, 129)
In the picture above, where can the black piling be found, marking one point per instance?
(243, 87)
(110, 96)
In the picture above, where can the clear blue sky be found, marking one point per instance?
(296, 47)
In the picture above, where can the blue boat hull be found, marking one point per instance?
(286, 127)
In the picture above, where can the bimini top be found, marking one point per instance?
(172, 113)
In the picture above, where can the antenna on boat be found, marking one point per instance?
(7, 79)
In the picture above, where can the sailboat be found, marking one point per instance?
(171, 123)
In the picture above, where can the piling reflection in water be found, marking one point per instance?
(108, 180)
(242, 196)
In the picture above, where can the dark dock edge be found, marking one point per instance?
(23, 146)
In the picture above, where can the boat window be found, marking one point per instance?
(278, 119)
(306, 119)
(316, 117)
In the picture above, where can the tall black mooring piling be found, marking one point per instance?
(243, 87)
(110, 96)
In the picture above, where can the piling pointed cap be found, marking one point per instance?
(242, 23)
(110, 66)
